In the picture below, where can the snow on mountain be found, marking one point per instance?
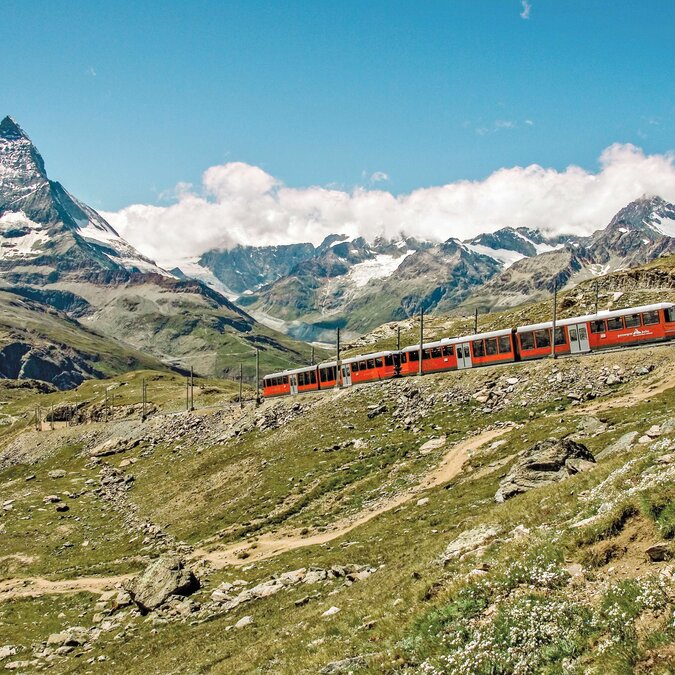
(381, 266)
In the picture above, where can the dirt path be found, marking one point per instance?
(274, 543)
(30, 587)
(637, 395)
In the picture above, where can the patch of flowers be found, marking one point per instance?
(623, 603)
(525, 635)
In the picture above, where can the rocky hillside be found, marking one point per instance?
(59, 253)
(514, 519)
(642, 231)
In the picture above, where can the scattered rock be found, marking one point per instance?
(344, 666)
(56, 473)
(658, 552)
(330, 611)
(161, 579)
(113, 446)
(62, 507)
(545, 462)
(469, 540)
(7, 651)
(432, 444)
(244, 621)
(622, 444)
(423, 502)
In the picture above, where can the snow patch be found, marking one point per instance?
(20, 237)
(380, 267)
(190, 267)
(502, 255)
(665, 226)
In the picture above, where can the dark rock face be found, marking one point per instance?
(161, 579)
(545, 462)
(64, 368)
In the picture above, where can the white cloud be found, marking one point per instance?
(525, 14)
(379, 177)
(242, 204)
(529, 123)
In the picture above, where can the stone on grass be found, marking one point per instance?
(658, 552)
(7, 651)
(330, 611)
(244, 621)
(344, 666)
(161, 579)
(469, 540)
(546, 462)
(56, 473)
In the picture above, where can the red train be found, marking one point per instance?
(578, 335)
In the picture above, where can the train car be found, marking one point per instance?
(276, 384)
(293, 381)
(436, 357)
(617, 328)
(484, 349)
(368, 368)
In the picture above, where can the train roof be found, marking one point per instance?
(604, 314)
(361, 357)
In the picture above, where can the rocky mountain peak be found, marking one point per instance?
(10, 130)
(645, 214)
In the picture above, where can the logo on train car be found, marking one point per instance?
(636, 333)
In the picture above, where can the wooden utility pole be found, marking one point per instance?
(398, 338)
(475, 322)
(555, 317)
(192, 389)
(312, 359)
(420, 370)
(257, 374)
(338, 363)
(187, 394)
(144, 399)
(51, 417)
(597, 295)
(241, 385)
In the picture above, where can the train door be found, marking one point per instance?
(463, 353)
(346, 375)
(293, 379)
(579, 338)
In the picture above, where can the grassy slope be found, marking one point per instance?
(36, 324)
(213, 493)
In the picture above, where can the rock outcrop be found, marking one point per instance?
(545, 462)
(161, 579)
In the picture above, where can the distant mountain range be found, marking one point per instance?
(66, 262)
(78, 301)
(308, 291)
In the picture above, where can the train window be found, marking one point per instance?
(598, 326)
(378, 362)
(301, 379)
(388, 360)
(560, 338)
(505, 344)
(650, 318)
(404, 357)
(632, 320)
(527, 340)
(478, 348)
(670, 314)
(543, 338)
(426, 354)
(436, 353)
(491, 346)
(371, 364)
(284, 379)
(615, 323)
(413, 356)
(312, 376)
(447, 350)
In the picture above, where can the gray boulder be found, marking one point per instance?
(161, 579)
(546, 462)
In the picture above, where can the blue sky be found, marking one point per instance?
(126, 99)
